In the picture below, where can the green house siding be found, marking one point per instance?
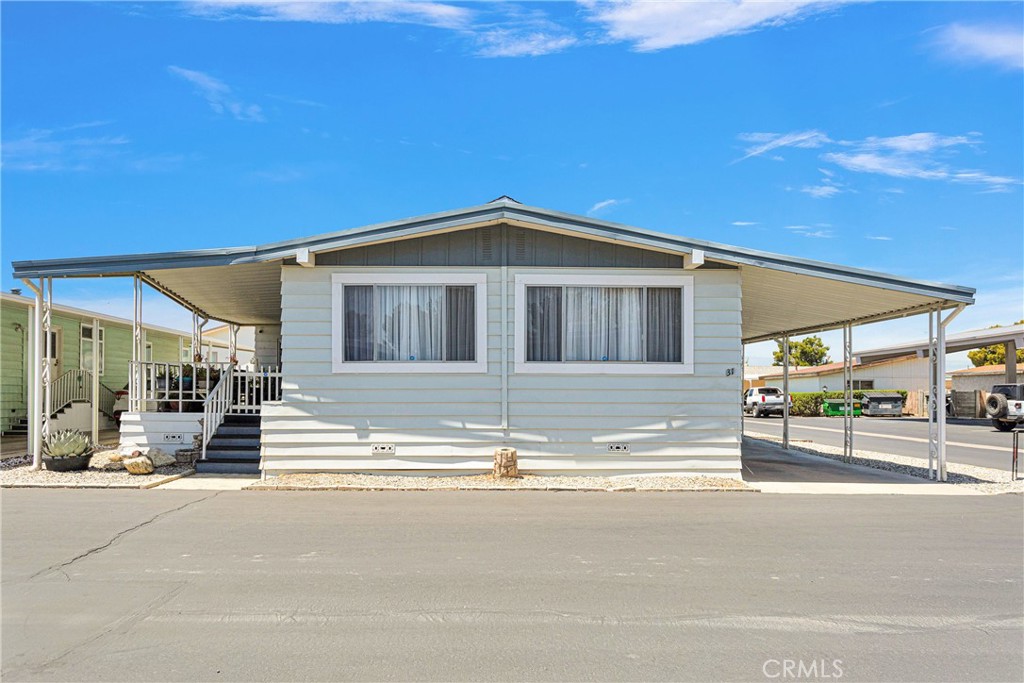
(117, 354)
(13, 399)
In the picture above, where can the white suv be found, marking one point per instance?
(1005, 405)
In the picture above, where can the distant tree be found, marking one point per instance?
(804, 352)
(994, 354)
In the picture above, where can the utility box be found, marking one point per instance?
(882, 403)
(835, 407)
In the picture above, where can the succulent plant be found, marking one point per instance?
(66, 443)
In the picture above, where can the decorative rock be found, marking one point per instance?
(112, 456)
(506, 463)
(139, 465)
(109, 465)
(159, 458)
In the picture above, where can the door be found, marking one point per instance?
(53, 351)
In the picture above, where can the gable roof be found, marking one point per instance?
(242, 284)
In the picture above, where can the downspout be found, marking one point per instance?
(36, 409)
(940, 414)
(504, 354)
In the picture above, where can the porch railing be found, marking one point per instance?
(217, 405)
(76, 385)
(171, 387)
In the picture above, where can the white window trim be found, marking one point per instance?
(386, 277)
(604, 367)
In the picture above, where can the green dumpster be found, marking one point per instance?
(834, 407)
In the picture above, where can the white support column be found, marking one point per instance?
(233, 343)
(941, 371)
(138, 353)
(50, 354)
(95, 380)
(848, 392)
(35, 410)
(785, 391)
(197, 348)
(934, 379)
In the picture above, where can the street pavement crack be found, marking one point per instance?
(117, 537)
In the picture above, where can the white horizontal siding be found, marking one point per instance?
(152, 429)
(452, 422)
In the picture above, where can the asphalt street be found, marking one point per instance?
(971, 443)
(180, 585)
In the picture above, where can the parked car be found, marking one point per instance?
(1005, 405)
(763, 401)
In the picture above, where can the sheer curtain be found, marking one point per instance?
(543, 323)
(460, 335)
(409, 325)
(664, 325)
(603, 323)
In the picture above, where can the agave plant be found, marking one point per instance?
(66, 443)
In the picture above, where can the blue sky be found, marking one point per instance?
(883, 135)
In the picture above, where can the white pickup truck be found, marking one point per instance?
(763, 401)
(1005, 406)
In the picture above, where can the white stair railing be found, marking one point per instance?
(217, 404)
(73, 385)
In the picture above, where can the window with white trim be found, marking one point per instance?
(604, 324)
(87, 345)
(409, 323)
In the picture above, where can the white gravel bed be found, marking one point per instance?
(984, 479)
(482, 482)
(18, 473)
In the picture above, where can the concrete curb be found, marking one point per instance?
(130, 487)
(552, 489)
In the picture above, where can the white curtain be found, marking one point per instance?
(409, 322)
(603, 324)
(358, 322)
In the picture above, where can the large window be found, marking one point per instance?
(604, 324)
(409, 323)
(89, 343)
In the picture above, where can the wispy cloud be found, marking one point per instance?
(515, 43)
(437, 14)
(604, 206)
(63, 149)
(880, 238)
(819, 231)
(989, 44)
(766, 142)
(298, 101)
(826, 190)
(743, 224)
(219, 95)
(920, 156)
(653, 26)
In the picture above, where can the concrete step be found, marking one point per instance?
(242, 420)
(207, 467)
(249, 431)
(232, 441)
(233, 455)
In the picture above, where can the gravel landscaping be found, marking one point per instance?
(480, 482)
(984, 479)
(17, 473)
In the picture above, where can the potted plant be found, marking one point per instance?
(66, 451)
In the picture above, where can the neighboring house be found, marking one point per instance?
(217, 339)
(909, 373)
(982, 378)
(754, 375)
(424, 344)
(72, 336)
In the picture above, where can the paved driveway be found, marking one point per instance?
(178, 585)
(967, 442)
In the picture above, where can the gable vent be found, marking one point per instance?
(520, 244)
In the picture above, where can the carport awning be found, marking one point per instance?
(781, 294)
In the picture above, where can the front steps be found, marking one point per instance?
(235, 448)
